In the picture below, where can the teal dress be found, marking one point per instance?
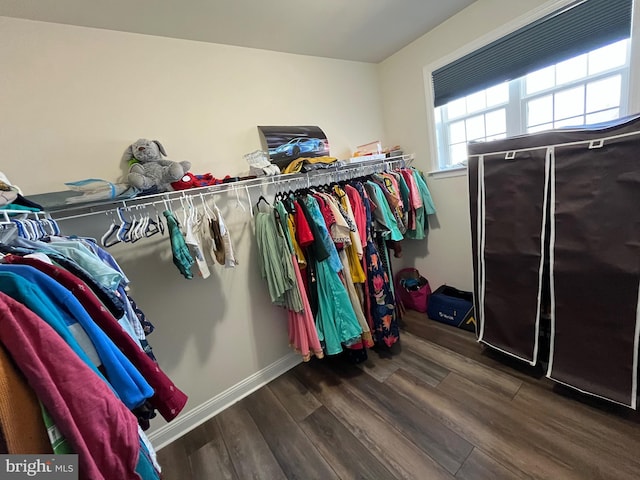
(383, 213)
(336, 322)
(429, 208)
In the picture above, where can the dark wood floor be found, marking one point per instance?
(437, 407)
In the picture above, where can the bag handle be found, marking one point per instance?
(407, 270)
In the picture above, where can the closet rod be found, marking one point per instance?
(315, 178)
(20, 214)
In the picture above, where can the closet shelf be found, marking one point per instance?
(309, 179)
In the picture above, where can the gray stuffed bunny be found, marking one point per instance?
(149, 169)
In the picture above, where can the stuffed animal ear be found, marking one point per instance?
(128, 154)
(160, 147)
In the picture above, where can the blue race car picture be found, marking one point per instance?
(295, 147)
(285, 143)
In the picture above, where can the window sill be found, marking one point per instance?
(449, 172)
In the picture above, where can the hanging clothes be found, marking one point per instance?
(382, 212)
(354, 249)
(367, 339)
(415, 203)
(181, 256)
(303, 337)
(391, 191)
(167, 398)
(275, 264)
(230, 260)
(22, 246)
(380, 298)
(192, 239)
(60, 300)
(126, 360)
(422, 223)
(108, 445)
(336, 321)
(17, 280)
(341, 227)
(338, 237)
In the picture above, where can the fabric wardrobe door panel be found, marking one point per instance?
(474, 216)
(595, 255)
(512, 199)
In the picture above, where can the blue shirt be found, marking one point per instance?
(103, 273)
(126, 380)
(35, 300)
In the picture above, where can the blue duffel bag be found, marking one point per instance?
(453, 307)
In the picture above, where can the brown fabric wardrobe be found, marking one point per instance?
(555, 223)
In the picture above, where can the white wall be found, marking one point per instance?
(446, 258)
(72, 99)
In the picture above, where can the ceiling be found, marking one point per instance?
(360, 30)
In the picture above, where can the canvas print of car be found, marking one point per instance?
(286, 143)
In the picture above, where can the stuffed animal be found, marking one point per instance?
(149, 169)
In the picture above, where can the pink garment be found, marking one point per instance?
(414, 192)
(167, 398)
(303, 336)
(99, 427)
(360, 217)
(415, 200)
(359, 213)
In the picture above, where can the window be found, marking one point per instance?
(568, 68)
(586, 89)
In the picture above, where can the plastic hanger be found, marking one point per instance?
(31, 229)
(53, 223)
(144, 215)
(20, 227)
(123, 229)
(153, 226)
(134, 230)
(142, 225)
(246, 189)
(239, 204)
(47, 226)
(109, 238)
(260, 200)
(37, 226)
(209, 213)
(158, 223)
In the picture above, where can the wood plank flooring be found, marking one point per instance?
(437, 406)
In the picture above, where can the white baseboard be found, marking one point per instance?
(166, 434)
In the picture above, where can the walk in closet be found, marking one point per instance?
(196, 244)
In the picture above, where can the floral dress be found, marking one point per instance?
(381, 302)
